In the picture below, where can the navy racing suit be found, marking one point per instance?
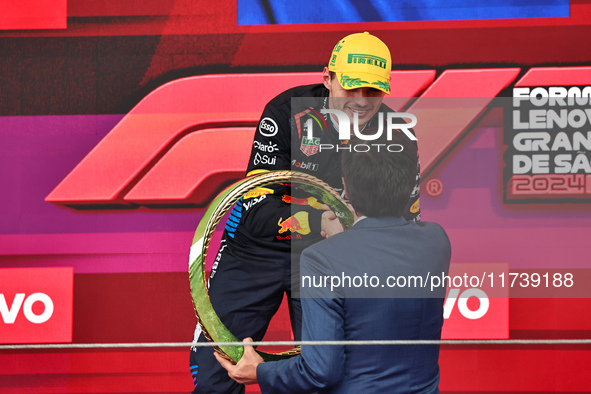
(269, 227)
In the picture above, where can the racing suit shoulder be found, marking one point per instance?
(284, 98)
(271, 148)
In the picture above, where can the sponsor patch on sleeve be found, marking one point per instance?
(268, 127)
(258, 192)
(415, 207)
(297, 223)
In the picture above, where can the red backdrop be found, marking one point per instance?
(67, 90)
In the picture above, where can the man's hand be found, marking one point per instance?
(245, 372)
(330, 224)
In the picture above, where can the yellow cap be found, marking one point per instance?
(362, 60)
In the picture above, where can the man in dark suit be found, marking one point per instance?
(366, 284)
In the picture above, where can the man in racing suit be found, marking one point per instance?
(270, 226)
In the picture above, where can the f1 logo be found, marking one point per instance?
(179, 145)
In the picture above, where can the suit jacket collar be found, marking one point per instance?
(387, 221)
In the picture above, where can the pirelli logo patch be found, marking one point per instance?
(367, 59)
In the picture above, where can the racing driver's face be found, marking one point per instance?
(365, 101)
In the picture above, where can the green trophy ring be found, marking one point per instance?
(212, 327)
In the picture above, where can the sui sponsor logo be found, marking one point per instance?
(264, 159)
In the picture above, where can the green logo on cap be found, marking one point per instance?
(333, 60)
(351, 82)
(367, 59)
(383, 85)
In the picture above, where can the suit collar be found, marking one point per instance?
(380, 222)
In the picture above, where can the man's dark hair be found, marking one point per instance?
(379, 183)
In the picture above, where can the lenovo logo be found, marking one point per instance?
(36, 305)
(179, 145)
(476, 309)
(9, 314)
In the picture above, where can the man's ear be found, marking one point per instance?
(326, 78)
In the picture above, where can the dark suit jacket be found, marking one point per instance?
(379, 247)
